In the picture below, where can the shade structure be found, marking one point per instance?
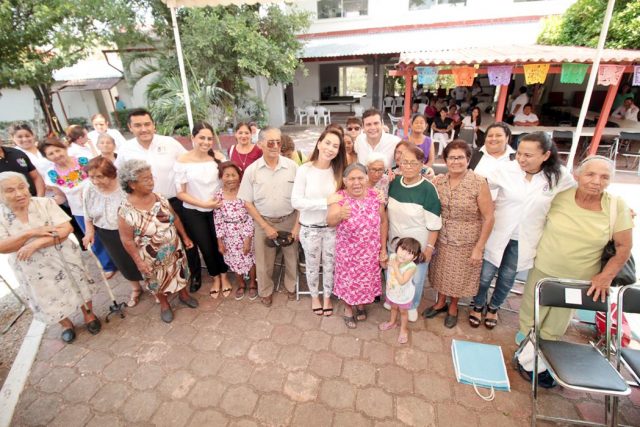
(204, 3)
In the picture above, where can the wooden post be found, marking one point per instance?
(604, 117)
(502, 101)
(408, 85)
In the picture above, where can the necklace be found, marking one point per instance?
(246, 157)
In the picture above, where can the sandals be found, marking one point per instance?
(226, 292)
(327, 312)
(361, 314)
(349, 321)
(403, 339)
(239, 293)
(491, 323)
(317, 311)
(213, 293)
(253, 292)
(109, 274)
(475, 317)
(385, 326)
(134, 299)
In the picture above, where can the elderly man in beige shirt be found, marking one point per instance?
(266, 190)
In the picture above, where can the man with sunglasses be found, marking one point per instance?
(266, 190)
(374, 139)
(353, 127)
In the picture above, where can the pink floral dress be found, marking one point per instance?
(233, 225)
(357, 271)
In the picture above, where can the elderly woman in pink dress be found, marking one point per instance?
(361, 233)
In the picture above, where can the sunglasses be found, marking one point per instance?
(353, 128)
(273, 142)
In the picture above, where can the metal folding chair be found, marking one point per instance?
(631, 150)
(302, 270)
(579, 367)
(628, 302)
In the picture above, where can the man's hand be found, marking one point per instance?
(270, 232)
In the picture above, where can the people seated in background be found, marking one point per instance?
(460, 94)
(519, 102)
(527, 117)
(454, 115)
(627, 111)
(288, 149)
(442, 125)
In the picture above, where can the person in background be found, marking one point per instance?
(288, 149)
(374, 139)
(361, 234)
(69, 176)
(627, 111)
(441, 127)
(473, 122)
(244, 153)
(315, 182)
(527, 117)
(150, 232)
(101, 199)
(266, 190)
(53, 280)
(460, 94)
(517, 105)
(624, 93)
(120, 105)
(79, 144)
(353, 127)
(255, 132)
(420, 140)
(352, 156)
(377, 177)
(467, 220)
(23, 137)
(495, 152)
(15, 160)
(197, 182)
(101, 126)
(234, 229)
(107, 147)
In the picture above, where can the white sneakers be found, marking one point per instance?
(413, 315)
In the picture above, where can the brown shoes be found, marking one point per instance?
(267, 301)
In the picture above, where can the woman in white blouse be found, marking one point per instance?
(79, 143)
(100, 127)
(196, 183)
(315, 182)
(525, 189)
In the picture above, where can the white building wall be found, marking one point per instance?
(273, 98)
(306, 89)
(17, 104)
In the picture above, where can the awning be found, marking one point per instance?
(203, 3)
(453, 37)
(88, 84)
(516, 54)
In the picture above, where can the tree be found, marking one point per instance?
(222, 46)
(581, 24)
(38, 37)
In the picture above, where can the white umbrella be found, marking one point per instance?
(173, 5)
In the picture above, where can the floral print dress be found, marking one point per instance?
(52, 288)
(357, 271)
(233, 225)
(158, 245)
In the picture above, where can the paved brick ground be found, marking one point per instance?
(238, 363)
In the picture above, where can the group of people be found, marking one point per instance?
(363, 203)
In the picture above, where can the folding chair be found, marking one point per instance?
(302, 270)
(561, 138)
(394, 123)
(579, 367)
(631, 141)
(468, 135)
(628, 302)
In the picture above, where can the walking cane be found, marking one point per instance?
(115, 307)
(23, 307)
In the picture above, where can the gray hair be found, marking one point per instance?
(608, 161)
(105, 136)
(375, 157)
(4, 176)
(262, 135)
(351, 168)
(129, 171)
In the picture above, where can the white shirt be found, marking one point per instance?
(76, 150)
(488, 164)
(311, 188)
(162, 155)
(467, 123)
(41, 163)
(521, 100)
(521, 211)
(114, 133)
(201, 181)
(630, 114)
(526, 118)
(386, 147)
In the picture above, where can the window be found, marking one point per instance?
(427, 4)
(353, 81)
(342, 8)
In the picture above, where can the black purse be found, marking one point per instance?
(627, 274)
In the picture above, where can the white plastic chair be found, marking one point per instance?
(399, 103)
(300, 114)
(389, 102)
(324, 114)
(394, 123)
(442, 139)
(311, 112)
(358, 110)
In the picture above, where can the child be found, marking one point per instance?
(400, 287)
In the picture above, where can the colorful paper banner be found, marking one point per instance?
(609, 74)
(427, 75)
(636, 75)
(463, 76)
(500, 75)
(573, 73)
(535, 73)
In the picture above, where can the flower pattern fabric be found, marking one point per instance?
(233, 226)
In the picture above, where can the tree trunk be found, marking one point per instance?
(43, 95)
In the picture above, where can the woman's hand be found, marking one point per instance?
(384, 258)
(334, 198)
(295, 232)
(212, 204)
(221, 248)
(25, 252)
(429, 174)
(600, 284)
(476, 255)
(187, 243)
(428, 253)
(43, 231)
(345, 211)
(246, 245)
(88, 240)
(144, 268)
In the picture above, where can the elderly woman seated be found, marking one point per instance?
(580, 223)
(53, 279)
(150, 232)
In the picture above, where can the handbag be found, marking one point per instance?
(480, 365)
(627, 274)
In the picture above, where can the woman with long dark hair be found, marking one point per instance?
(197, 182)
(315, 182)
(525, 189)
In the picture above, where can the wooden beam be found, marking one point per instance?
(502, 101)
(408, 85)
(604, 117)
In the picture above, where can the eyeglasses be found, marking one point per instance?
(272, 142)
(353, 128)
(457, 159)
(411, 164)
(376, 170)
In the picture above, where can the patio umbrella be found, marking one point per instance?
(175, 4)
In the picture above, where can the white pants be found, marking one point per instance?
(319, 244)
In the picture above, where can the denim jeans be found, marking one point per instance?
(506, 277)
(420, 276)
(98, 248)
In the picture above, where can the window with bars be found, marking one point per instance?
(342, 8)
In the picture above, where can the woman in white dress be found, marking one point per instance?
(53, 281)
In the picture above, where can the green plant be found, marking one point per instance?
(120, 117)
(82, 121)
(252, 109)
